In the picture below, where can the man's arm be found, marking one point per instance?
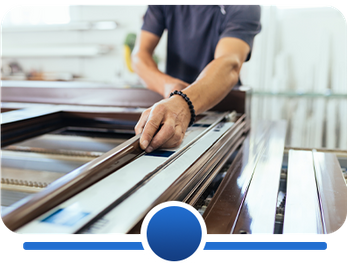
(219, 76)
(144, 65)
(211, 86)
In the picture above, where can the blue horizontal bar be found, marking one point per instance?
(280, 245)
(214, 245)
(83, 245)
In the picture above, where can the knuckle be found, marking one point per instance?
(179, 135)
(169, 129)
(161, 104)
(145, 113)
(153, 124)
(159, 107)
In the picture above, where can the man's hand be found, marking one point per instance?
(164, 124)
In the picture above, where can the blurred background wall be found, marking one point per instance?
(297, 70)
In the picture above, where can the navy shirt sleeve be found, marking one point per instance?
(243, 22)
(195, 30)
(154, 20)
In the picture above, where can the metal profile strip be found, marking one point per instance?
(302, 211)
(205, 182)
(222, 210)
(257, 214)
(29, 126)
(205, 175)
(220, 216)
(332, 191)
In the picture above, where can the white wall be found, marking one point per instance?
(298, 50)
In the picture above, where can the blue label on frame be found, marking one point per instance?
(65, 217)
(160, 153)
(201, 125)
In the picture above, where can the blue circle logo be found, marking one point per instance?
(174, 233)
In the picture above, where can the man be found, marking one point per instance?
(207, 46)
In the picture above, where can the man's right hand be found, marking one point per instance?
(164, 124)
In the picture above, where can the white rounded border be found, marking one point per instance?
(159, 207)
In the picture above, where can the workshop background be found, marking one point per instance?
(297, 70)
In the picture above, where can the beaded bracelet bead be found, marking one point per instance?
(187, 99)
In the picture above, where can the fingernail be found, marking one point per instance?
(144, 144)
(149, 149)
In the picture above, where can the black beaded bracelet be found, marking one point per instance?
(187, 99)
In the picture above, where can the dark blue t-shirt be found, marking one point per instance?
(194, 31)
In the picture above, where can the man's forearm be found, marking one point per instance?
(144, 65)
(214, 83)
(146, 68)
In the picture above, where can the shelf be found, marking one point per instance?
(56, 51)
(75, 26)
